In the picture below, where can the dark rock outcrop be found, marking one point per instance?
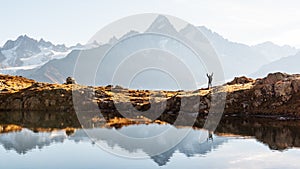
(275, 95)
(241, 80)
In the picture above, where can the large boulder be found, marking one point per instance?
(70, 80)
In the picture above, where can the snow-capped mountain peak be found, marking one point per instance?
(22, 43)
(28, 53)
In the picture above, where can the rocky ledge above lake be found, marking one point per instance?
(277, 95)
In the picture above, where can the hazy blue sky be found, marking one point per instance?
(69, 22)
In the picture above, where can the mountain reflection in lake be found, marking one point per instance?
(237, 143)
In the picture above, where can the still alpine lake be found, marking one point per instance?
(236, 143)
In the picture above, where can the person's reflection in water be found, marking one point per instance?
(210, 136)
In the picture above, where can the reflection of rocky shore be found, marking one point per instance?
(41, 119)
(277, 134)
(278, 94)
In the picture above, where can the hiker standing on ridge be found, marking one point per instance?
(210, 78)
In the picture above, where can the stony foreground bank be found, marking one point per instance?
(278, 94)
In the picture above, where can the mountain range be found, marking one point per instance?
(27, 53)
(240, 59)
(46, 62)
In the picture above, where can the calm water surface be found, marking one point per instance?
(254, 146)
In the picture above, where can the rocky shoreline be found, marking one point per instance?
(277, 95)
